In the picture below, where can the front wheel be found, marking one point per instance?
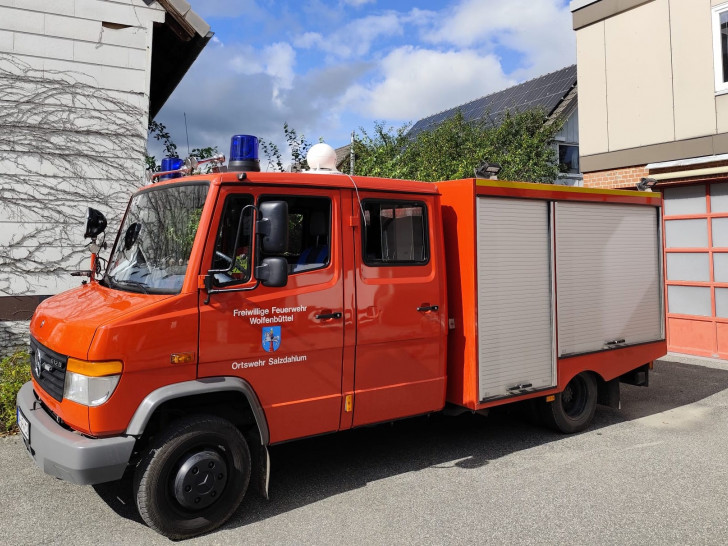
(574, 407)
(193, 477)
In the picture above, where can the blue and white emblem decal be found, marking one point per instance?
(271, 338)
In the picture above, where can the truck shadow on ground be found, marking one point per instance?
(310, 470)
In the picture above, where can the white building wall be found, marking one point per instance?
(74, 98)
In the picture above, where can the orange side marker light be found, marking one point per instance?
(182, 358)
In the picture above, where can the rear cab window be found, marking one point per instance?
(395, 233)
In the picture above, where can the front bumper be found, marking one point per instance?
(69, 455)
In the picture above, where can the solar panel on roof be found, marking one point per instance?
(545, 92)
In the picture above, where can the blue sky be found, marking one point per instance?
(330, 67)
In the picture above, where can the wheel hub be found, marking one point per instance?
(200, 479)
(573, 399)
(567, 395)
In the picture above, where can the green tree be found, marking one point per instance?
(298, 147)
(159, 132)
(381, 153)
(522, 144)
(204, 153)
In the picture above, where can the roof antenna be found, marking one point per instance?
(187, 134)
(351, 154)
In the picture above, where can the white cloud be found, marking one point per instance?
(539, 29)
(256, 88)
(276, 60)
(416, 82)
(279, 61)
(354, 39)
(309, 40)
(238, 101)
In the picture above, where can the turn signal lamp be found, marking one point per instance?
(171, 164)
(91, 383)
(244, 153)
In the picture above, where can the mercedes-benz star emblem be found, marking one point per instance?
(38, 364)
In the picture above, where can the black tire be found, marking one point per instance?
(193, 477)
(574, 408)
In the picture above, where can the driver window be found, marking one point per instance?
(227, 254)
(309, 232)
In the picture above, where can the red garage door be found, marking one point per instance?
(696, 266)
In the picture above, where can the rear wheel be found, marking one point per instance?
(574, 407)
(193, 477)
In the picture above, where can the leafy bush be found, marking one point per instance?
(521, 143)
(14, 372)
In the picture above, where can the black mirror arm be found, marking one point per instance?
(263, 227)
(237, 240)
(209, 277)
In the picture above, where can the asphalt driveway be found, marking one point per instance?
(654, 472)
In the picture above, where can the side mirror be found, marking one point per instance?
(95, 223)
(273, 227)
(272, 272)
(131, 235)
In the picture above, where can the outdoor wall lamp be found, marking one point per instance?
(487, 170)
(646, 184)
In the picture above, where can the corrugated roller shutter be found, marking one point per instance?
(515, 330)
(607, 276)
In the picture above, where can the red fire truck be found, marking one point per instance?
(242, 309)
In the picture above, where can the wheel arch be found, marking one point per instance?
(608, 391)
(213, 391)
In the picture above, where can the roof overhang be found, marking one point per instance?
(587, 12)
(176, 43)
(578, 4)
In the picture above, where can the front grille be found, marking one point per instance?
(48, 369)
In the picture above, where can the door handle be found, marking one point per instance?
(426, 308)
(520, 387)
(327, 316)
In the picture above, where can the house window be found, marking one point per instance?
(569, 159)
(720, 47)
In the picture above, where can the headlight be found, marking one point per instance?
(91, 383)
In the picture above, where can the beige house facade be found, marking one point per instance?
(653, 103)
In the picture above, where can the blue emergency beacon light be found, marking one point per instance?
(171, 164)
(244, 154)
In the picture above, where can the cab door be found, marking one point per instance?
(286, 342)
(401, 309)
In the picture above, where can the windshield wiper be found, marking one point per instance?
(129, 284)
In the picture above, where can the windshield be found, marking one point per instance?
(155, 241)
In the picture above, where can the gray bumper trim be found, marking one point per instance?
(70, 456)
